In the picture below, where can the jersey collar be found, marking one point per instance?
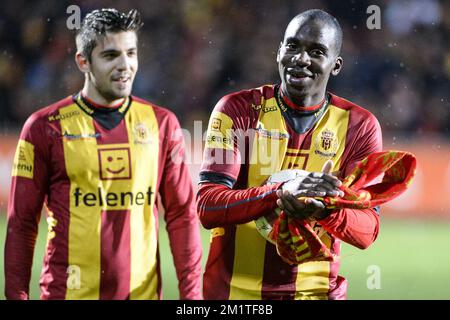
(286, 102)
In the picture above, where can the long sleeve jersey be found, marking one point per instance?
(251, 135)
(98, 172)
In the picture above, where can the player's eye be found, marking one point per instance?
(109, 56)
(290, 46)
(317, 52)
(132, 53)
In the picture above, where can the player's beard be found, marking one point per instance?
(110, 94)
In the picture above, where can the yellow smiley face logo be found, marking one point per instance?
(216, 123)
(114, 163)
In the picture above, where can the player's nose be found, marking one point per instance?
(123, 63)
(302, 59)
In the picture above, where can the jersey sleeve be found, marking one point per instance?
(177, 197)
(357, 227)
(367, 141)
(218, 204)
(221, 154)
(29, 187)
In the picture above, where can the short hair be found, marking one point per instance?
(98, 22)
(320, 15)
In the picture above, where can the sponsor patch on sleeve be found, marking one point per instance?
(23, 165)
(220, 133)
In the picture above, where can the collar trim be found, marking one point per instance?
(286, 101)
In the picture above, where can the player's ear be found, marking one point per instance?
(82, 62)
(278, 52)
(338, 63)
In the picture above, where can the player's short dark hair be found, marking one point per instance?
(98, 22)
(320, 15)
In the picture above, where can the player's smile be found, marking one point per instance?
(121, 81)
(298, 77)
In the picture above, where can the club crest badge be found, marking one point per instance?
(141, 134)
(326, 144)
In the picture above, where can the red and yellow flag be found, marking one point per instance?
(295, 239)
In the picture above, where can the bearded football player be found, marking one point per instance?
(97, 160)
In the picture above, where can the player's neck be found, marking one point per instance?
(304, 103)
(98, 101)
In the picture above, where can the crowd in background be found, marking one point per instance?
(192, 52)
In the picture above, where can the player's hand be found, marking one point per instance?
(302, 209)
(314, 184)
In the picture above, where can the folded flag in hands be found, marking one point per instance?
(296, 240)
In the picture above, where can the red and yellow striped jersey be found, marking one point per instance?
(99, 185)
(241, 263)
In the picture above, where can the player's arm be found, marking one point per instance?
(218, 205)
(357, 227)
(28, 188)
(177, 197)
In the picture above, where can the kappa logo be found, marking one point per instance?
(326, 144)
(63, 116)
(141, 134)
(115, 163)
(255, 107)
(268, 109)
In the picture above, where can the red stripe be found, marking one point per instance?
(299, 141)
(306, 143)
(54, 274)
(158, 260)
(279, 277)
(227, 162)
(337, 284)
(97, 105)
(300, 108)
(163, 149)
(118, 134)
(115, 255)
(295, 154)
(219, 267)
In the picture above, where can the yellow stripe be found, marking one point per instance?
(144, 277)
(246, 282)
(84, 230)
(269, 146)
(248, 268)
(334, 120)
(313, 277)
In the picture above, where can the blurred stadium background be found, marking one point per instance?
(194, 52)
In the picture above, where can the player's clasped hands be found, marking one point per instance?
(309, 185)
